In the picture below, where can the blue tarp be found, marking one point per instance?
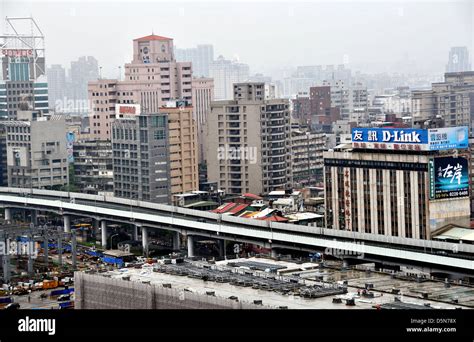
(111, 260)
(60, 292)
(65, 305)
(93, 253)
(23, 239)
(4, 300)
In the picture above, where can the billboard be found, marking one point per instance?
(449, 177)
(70, 138)
(390, 138)
(410, 139)
(448, 138)
(127, 109)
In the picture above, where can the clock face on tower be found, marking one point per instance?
(145, 50)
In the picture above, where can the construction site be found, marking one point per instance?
(259, 283)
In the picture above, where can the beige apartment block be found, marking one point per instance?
(183, 149)
(151, 79)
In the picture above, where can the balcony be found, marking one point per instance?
(233, 125)
(233, 117)
(233, 132)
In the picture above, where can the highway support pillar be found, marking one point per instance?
(103, 228)
(73, 249)
(45, 248)
(135, 232)
(221, 248)
(6, 265)
(30, 264)
(34, 217)
(190, 246)
(145, 240)
(8, 215)
(60, 246)
(176, 241)
(67, 223)
(274, 253)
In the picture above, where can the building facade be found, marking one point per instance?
(36, 159)
(141, 168)
(93, 167)
(322, 110)
(82, 71)
(225, 74)
(22, 69)
(56, 75)
(405, 192)
(201, 58)
(451, 100)
(152, 79)
(307, 157)
(350, 98)
(155, 155)
(248, 141)
(302, 108)
(203, 95)
(458, 60)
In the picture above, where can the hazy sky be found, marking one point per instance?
(374, 35)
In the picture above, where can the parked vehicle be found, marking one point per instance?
(12, 306)
(64, 297)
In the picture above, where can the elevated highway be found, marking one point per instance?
(273, 235)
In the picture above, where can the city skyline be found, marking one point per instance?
(337, 36)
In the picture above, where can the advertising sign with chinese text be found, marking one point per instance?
(410, 139)
(448, 138)
(449, 178)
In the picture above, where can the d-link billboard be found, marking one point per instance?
(410, 139)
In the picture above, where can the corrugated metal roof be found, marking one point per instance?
(457, 233)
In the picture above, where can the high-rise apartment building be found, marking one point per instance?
(93, 168)
(322, 110)
(458, 60)
(302, 108)
(141, 157)
(56, 75)
(451, 100)
(154, 154)
(22, 69)
(248, 141)
(203, 95)
(201, 57)
(82, 71)
(349, 98)
(152, 79)
(225, 74)
(307, 156)
(35, 158)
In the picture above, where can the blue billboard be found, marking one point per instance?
(449, 177)
(410, 139)
(448, 138)
(389, 138)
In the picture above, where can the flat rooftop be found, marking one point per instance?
(309, 286)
